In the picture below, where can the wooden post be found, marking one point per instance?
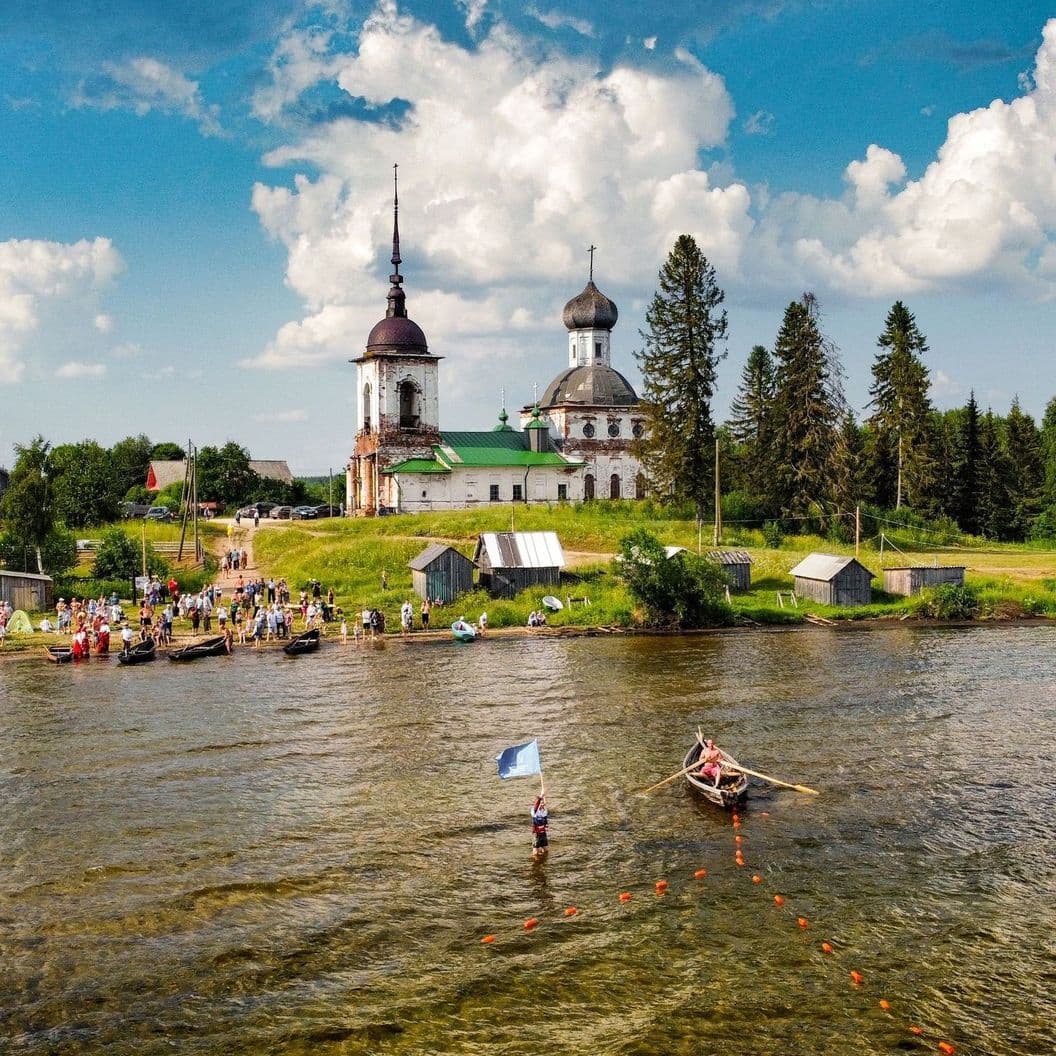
(718, 497)
(857, 528)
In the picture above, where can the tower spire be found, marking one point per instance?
(397, 298)
(591, 252)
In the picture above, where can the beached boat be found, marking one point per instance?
(552, 603)
(140, 653)
(59, 654)
(463, 632)
(209, 647)
(733, 785)
(303, 643)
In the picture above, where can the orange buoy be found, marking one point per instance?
(530, 923)
(916, 1030)
(736, 823)
(802, 921)
(857, 978)
(700, 874)
(885, 1005)
(735, 816)
(661, 886)
(826, 947)
(778, 900)
(738, 838)
(757, 879)
(571, 911)
(488, 939)
(625, 896)
(946, 1047)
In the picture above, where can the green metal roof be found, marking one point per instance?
(495, 449)
(418, 465)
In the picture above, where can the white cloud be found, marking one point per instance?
(761, 123)
(103, 323)
(296, 415)
(558, 20)
(128, 350)
(32, 271)
(144, 84)
(474, 11)
(649, 43)
(75, 370)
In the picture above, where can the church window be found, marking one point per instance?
(409, 405)
(614, 486)
(493, 492)
(614, 428)
(588, 430)
(597, 350)
(588, 486)
(639, 486)
(366, 407)
(638, 429)
(562, 493)
(518, 492)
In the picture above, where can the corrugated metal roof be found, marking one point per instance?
(729, 557)
(496, 449)
(670, 551)
(523, 549)
(6, 573)
(824, 566)
(430, 554)
(171, 471)
(272, 469)
(417, 465)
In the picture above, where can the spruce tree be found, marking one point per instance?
(686, 328)
(749, 423)
(808, 408)
(904, 449)
(849, 459)
(993, 505)
(966, 480)
(1025, 462)
(1048, 443)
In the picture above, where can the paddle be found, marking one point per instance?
(668, 780)
(763, 777)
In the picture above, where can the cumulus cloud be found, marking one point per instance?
(649, 43)
(761, 123)
(32, 271)
(144, 84)
(76, 370)
(559, 20)
(103, 323)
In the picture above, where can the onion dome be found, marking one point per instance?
(537, 419)
(590, 310)
(503, 426)
(595, 385)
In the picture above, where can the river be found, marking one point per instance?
(259, 855)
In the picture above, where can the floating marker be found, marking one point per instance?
(916, 1030)
(778, 900)
(802, 921)
(700, 874)
(826, 947)
(946, 1047)
(857, 978)
(738, 839)
(661, 886)
(885, 1005)
(571, 911)
(530, 923)
(736, 816)
(625, 896)
(488, 940)
(757, 879)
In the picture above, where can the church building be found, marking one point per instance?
(572, 445)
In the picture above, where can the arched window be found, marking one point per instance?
(366, 407)
(614, 486)
(639, 486)
(588, 486)
(409, 405)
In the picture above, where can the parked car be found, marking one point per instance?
(257, 509)
(282, 513)
(304, 513)
(158, 513)
(328, 511)
(132, 509)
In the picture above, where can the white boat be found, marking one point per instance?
(463, 632)
(552, 603)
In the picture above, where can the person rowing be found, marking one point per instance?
(711, 762)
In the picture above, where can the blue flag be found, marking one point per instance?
(522, 760)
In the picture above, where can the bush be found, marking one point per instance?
(950, 602)
(772, 535)
(89, 587)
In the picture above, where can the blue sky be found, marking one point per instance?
(195, 198)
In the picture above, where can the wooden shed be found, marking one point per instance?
(833, 580)
(26, 590)
(510, 562)
(912, 579)
(441, 573)
(737, 564)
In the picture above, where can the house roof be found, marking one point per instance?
(494, 448)
(8, 574)
(273, 469)
(729, 557)
(825, 566)
(521, 549)
(163, 472)
(926, 568)
(417, 465)
(431, 553)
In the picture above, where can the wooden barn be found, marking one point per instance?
(26, 590)
(441, 573)
(510, 562)
(833, 580)
(737, 564)
(912, 579)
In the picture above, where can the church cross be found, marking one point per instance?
(591, 251)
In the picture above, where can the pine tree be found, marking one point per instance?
(993, 504)
(967, 469)
(686, 325)
(1026, 470)
(905, 445)
(808, 408)
(849, 458)
(749, 423)
(1048, 442)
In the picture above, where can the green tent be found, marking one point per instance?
(19, 623)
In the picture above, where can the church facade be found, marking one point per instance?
(574, 444)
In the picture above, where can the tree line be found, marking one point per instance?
(794, 450)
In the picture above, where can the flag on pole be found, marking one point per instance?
(522, 760)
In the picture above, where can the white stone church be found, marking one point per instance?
(573, 445)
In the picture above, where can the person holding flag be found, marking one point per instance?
(522, 760)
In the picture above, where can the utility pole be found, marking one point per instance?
(718, 497)
(330, 501)
(185, 500)
(857, 528)
(898, 488)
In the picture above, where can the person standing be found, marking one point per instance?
(425, 614)
(366, 623)
(482, 624)
(406, 617)
(344, 631)
(126, 638)
(540, 823)
(384, 579)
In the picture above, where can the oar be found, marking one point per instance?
(668, 780)
(773, 780)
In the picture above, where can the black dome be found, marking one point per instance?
(397, 334)
(590, 310)
(592, 386)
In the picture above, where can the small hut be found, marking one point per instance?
(737, 564)
(441, 573)
(510, 562)
(912, 579)
(833, 580)
(26, 590)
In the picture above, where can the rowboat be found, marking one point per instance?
(552, 603)
(59, 654)
(463, 632)
(210, 647)
(140, 653)
(303, 643)
(733, 785)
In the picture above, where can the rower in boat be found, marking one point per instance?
(711, 759)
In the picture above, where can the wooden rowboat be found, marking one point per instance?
(733, 785)
(463, 632)
(140, 653)
(59, 654)
(210, 647)
(303, 643)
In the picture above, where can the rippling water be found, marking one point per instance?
(260, 855)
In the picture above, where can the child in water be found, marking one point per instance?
(540, 820)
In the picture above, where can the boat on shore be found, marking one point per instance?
(733, 785)
(208, 647)
(463, 632)
(140, 653)
(59, 654)
(307, 642)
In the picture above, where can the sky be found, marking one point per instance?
(196, 198)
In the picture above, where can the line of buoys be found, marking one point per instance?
(571, 911)
(700, 874)
(661, 887)
(530, 923)
(625, 896)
